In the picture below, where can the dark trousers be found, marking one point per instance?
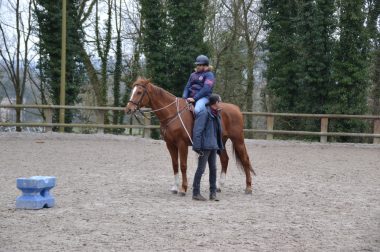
(210, 157)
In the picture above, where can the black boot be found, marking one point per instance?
(213, 197)
(199, 197)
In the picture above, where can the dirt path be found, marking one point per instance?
(113, 195)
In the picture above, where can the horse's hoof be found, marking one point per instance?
(174, 190)
(182, 194)
(248, 191)
(218, 190)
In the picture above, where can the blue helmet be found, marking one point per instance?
(202, 60)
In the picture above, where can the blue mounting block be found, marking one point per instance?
(35, 192)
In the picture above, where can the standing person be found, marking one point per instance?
(200, 84)
(207, 140)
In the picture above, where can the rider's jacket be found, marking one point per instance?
(199, 85)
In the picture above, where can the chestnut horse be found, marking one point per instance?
(176, 124)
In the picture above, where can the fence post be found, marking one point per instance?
(376, 130)
(324, 128)
(147, 122)
(48, 119)
(100, 120)
(270, 122)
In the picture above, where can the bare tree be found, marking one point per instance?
(14, 60)
(223, 31)
(251, 25)
(236, 24)
(133, 34)
(101, 43)
(223, 27)
(234, 30)
(103, 46)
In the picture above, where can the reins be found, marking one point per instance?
(172, 119)
(183, 125)
(149, 118)
(165, 106)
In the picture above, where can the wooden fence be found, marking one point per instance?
(269, 131)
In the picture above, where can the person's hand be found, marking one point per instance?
(199, 152)
(190, 100)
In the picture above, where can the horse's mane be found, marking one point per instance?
(156, 89)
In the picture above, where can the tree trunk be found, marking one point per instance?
(18, 111)
(17, 77)
(117, 115)
(91, 72)
(250, 84)
(376, 84)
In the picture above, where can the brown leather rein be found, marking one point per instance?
(163, 125)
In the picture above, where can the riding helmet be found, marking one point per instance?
(202, 60)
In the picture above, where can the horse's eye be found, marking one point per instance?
(139, 92)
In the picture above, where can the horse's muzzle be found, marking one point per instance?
(130, 108)
(127, 110)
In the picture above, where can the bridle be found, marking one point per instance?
(176, 101)
(137, 104)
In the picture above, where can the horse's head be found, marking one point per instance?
(139, 95)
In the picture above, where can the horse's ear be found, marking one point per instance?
(139, 80)
(145, 81)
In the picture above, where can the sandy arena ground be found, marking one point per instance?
(112, 194)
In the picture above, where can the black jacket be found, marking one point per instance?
(207, 132)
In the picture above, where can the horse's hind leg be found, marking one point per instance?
(173, 150)
(224, 162)
(242, 156)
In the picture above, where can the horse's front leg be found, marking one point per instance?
(173, 150)
(183, 151)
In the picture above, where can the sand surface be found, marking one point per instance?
(112, 194)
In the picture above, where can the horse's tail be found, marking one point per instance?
(238, 153)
